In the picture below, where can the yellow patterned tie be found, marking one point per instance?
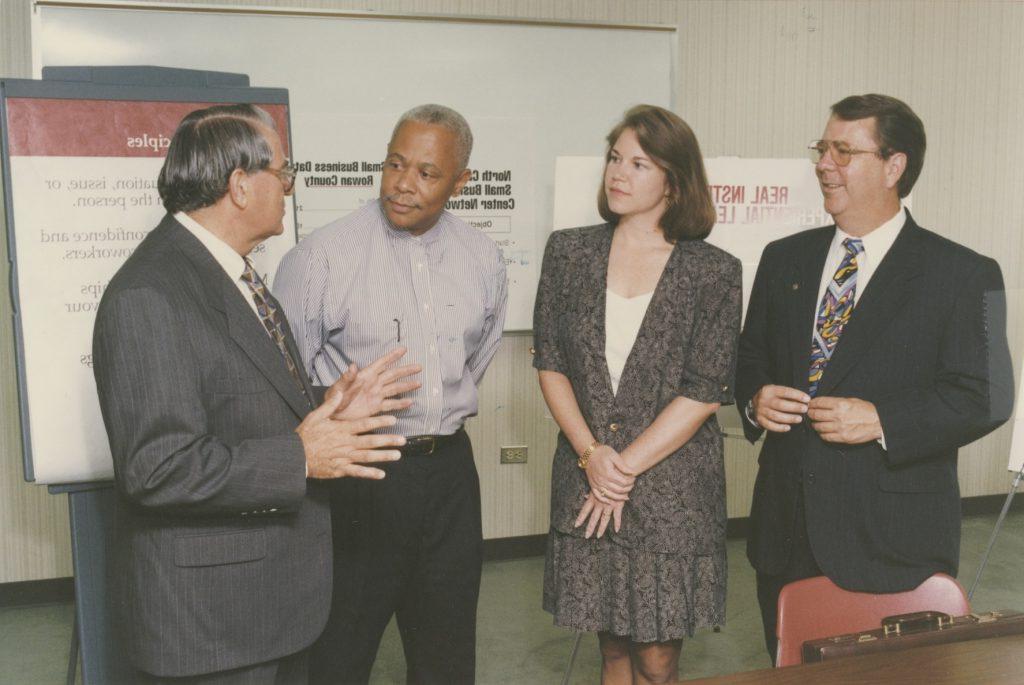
(834, 312)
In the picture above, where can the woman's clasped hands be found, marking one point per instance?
(611, 479)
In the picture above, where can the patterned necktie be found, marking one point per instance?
(834, 312)
(271, 317)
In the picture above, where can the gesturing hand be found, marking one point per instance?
(597, 515)
(369, 391)
(337, 449)
(609, 476)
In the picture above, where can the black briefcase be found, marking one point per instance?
(919, 629)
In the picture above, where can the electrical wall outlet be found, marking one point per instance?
(515, 454)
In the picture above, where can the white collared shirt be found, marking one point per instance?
(876, 246)
(225, 255)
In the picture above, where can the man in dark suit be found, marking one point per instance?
(872, 350)
(224, 560)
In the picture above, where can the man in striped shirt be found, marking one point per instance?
(404, 272)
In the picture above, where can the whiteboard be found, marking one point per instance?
(531, 92)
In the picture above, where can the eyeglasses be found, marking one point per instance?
(286, 175)
(841, 152)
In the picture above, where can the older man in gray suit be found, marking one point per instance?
(224, 560)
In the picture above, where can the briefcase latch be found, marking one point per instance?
(987, 618)
(915, 622)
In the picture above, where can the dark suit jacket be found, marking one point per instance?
(223, 550)
(686, 346)
(927, 345)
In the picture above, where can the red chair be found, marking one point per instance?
(816, 607)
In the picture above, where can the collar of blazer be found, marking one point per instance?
(244, 327)
(889, 288)
(674, 285)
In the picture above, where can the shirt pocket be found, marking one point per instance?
(460, 322)
(379, 331)
(371, 324)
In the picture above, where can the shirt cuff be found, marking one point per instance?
(881, 441)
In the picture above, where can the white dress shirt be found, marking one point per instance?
(225, 255)
(876, 246)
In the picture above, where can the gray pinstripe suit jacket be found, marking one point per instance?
(223, 555)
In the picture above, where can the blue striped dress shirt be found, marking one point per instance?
(357, 288)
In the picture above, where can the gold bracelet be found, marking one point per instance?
(584, 458)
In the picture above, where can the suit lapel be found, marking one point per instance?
(289, 341)
(888, 290)
(657, 323)
(248, 332)
(244, 327)
(800, 285)
(592, 323)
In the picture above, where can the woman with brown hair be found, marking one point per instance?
(635, 331)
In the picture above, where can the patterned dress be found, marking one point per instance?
(663, 575)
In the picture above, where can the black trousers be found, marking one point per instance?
(409, 545)
(801, 565)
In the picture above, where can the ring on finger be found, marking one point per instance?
(604, 493)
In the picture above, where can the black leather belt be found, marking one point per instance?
(425, 445)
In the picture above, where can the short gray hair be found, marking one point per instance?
(207, 147)
(439, 115)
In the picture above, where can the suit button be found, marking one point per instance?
(533, 351)
(810, 478)
(725, 388)
(613, 427)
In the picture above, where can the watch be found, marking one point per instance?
(749, 411)
(584, 458)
